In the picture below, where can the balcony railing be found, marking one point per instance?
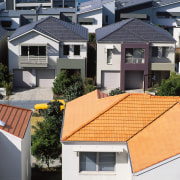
(33, 1)
(134, 60)
(33, 61)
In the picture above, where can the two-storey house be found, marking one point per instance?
(131, 51)
(40, 50)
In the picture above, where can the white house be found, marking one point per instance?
(15, 138)
(96, 13)
(40, 50)
(127, 136)
(131, 50)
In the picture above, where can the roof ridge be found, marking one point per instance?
(153, 120)
(97, 115)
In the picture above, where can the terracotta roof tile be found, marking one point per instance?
(16, 119)
(116, 118)
(158, 141)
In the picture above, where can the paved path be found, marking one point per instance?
(38, 93)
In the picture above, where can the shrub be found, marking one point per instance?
(115, 92)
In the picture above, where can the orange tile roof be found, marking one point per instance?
(16, 119)
(115, 118)
(84, 109)
(157, 142)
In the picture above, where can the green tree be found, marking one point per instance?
(45, 141)
(116, 91)
(170, 87)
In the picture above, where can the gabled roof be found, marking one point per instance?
(157, 142)
(16, 119)
(114, 118)
(132, 30)
(56, 29)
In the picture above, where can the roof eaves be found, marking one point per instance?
(166, 4)
(90, 10)
(153, 120)
(97, 115)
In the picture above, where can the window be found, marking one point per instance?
(66, 50)
(155, 51)
(109, 56)
(76, 50)
(106, 19)
(33, 50)
(134, 55)
(97, 161)
(165, 52)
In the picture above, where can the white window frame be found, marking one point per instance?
(109, 61)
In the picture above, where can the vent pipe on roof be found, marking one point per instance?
(2, 123)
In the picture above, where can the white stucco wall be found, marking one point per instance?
(70, 161)
(83, 50)
(26, 154)
(166, 170)
(32, 38)
(102, 59)
(10, 157)
(97, 15)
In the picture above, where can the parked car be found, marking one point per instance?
(41, 107)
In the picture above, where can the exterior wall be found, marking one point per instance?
(32, 38)
(162, 63)
(26, 154)
(97, 15)
(168, 169)
(10, 155)
(4, 50)
(102, 60)
(70, 161)
(109, 10)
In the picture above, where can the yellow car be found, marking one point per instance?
(43, 106)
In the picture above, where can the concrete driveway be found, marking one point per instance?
(38, 93)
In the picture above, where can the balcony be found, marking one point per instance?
(132, 60)
(162, 66)
(33, 61)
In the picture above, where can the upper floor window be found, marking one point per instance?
(155, 51)
(66, 50)
(33, 50)
(134, 55)
(97, 161)
(165, 51)
(109, 56)
(160, 51)
(76, 50)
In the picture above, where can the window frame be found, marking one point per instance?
(109, 56)
(37, 48)
(97, 163)
(154, 53)
(66, 51)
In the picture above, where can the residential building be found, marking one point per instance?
(15, 137)
(162, 13)
(131, 51)
(40, 50)
(127, 136)
(96, 13)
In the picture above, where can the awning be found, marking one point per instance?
(89, 20)
(128, 16)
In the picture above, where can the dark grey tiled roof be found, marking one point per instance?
(132, 30)
(55, 28)
(128, 3)
(164, 2)
(17, 13)
(92, 5)
(3, 33)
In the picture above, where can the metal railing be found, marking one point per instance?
(33, 59)
(134, 60)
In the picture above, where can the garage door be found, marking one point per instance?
(110, 79)
(22, 78)
(45, 77)
(133, 79)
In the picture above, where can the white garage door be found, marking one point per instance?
(45, 77)
(110, 79)
(22, 78)
(133, 79)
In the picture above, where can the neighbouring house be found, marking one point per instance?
(15, 138)
(130, 52)
(96, 13)
(127, 136)
(3, 47)
(163, 13)
(40, 50)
